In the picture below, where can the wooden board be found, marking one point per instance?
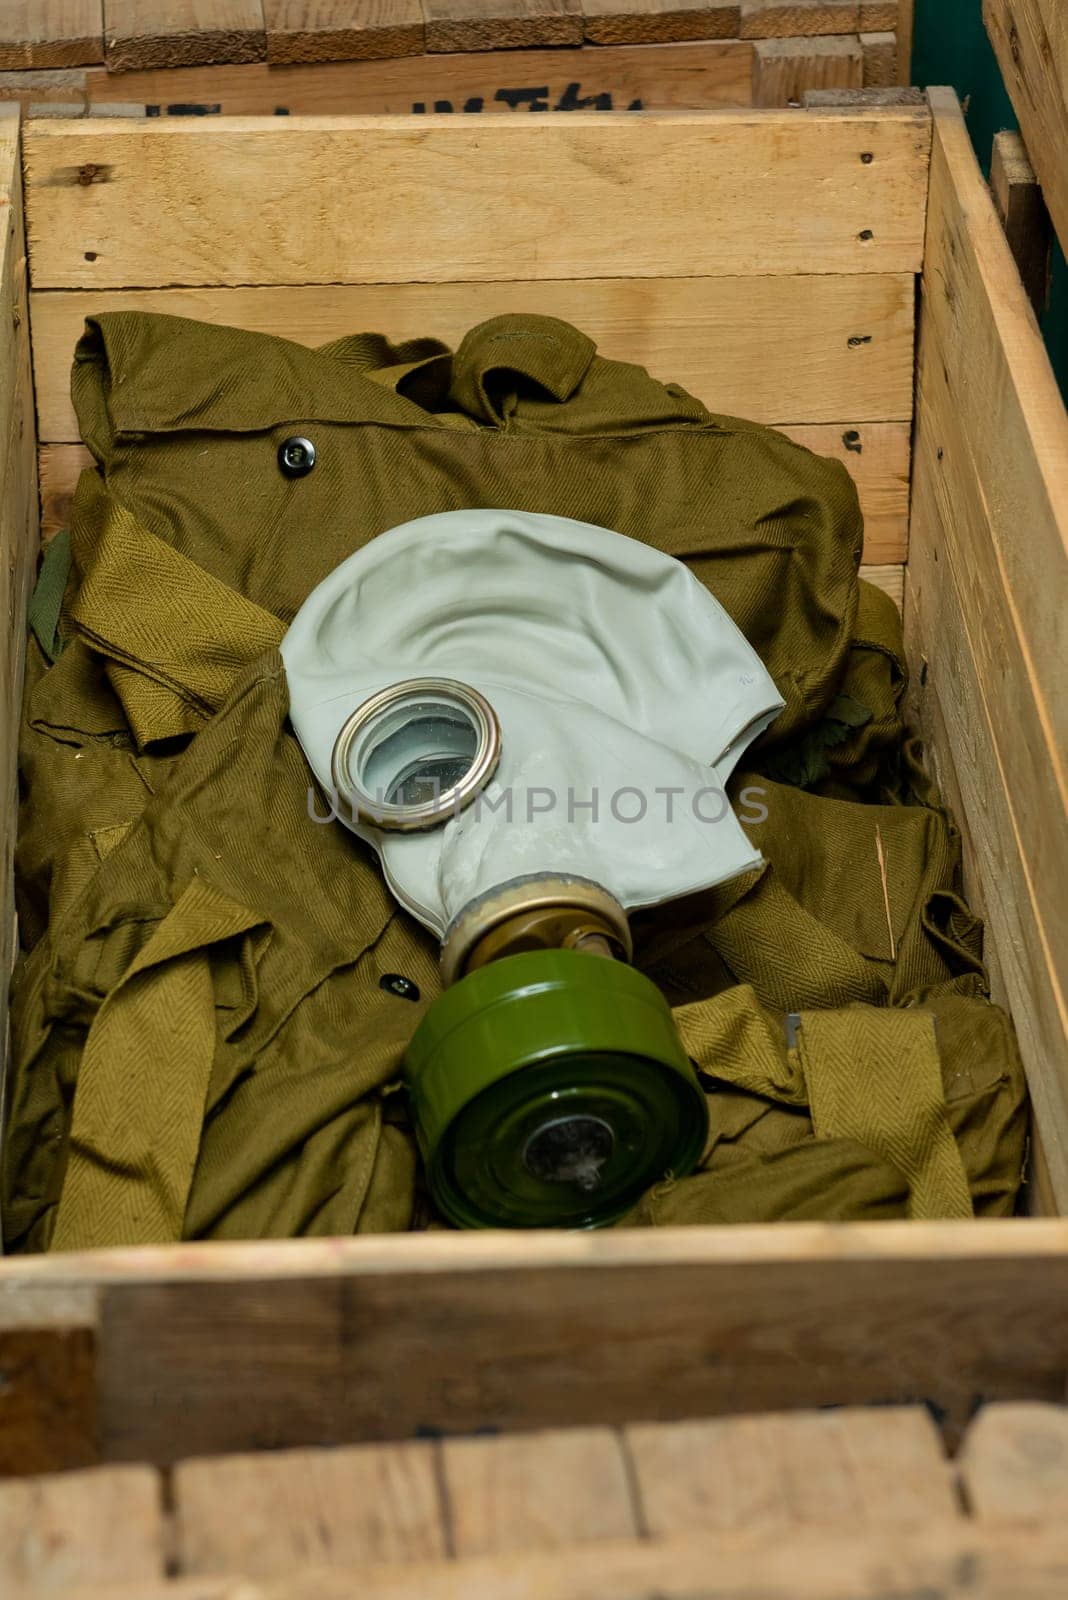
(941, 656)
(536, 1491)
(51, 33)
(936, 1564)
(338, 30)
(849, 1505)
(784, 69)
(779, 350)
(215, 1348)
(1014, 1464)
(881, 16)
(76, 1528)
(59, 466)
(956, 1561)
(992, 458)
(788, 19)
(58, 92)
(905, 26)
(501, 24)
(183, 201)
(1023, 214)
(847, 1469)
(146, 34)
(1030, 39)
(181, 33)
(48, 1399)
(879, 53)
(659, 21)
(591, 79)
(259, 1515)
(19, 526)
(1020, 463)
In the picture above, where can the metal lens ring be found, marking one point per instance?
(416, 754)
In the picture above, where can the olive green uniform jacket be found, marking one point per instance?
(208, 1027)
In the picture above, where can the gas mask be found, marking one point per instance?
(531, 721)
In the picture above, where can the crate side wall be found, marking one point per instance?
(987, 576)
(19, 523)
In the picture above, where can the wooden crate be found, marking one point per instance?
(816, 225)
(304, 57)
(857, 1504)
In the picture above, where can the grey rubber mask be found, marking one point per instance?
(491, 695)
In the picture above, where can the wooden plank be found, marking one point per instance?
(19, 535)
(993, 445)
(181, 33)
(977, 675)
(1008, 405)
(957, 730)
(958, 1560)
(879, 51)
(185, 201)
(536, 1491)
(59, 467)
(781, 350)
(940, 1561)
(98, 1527)
(501, 24)
(48, 1402)
(1030, 39)
(262, 1516)
(340, 30)
(223, 1347)
(784, 19)
(1014, 1464)
(1023, 214)
(876, 454)
(64, 89)
(12, 282)
(851, 1469)
(51, 33)
(923, 715)
(905, 25)
(840, 99)
(603, 79)
(659, 21)
(879, 16)
(783, 69)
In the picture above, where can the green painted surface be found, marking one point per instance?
(951, 46)
(551, 1089)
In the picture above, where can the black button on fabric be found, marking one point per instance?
(402, 987)
(296, 456)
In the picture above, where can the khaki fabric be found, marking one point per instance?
(185, 421)
(207, 1042)
(870, 1076)
(774, 1154)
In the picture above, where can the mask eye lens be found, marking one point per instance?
(417, 753)
(430, 752)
